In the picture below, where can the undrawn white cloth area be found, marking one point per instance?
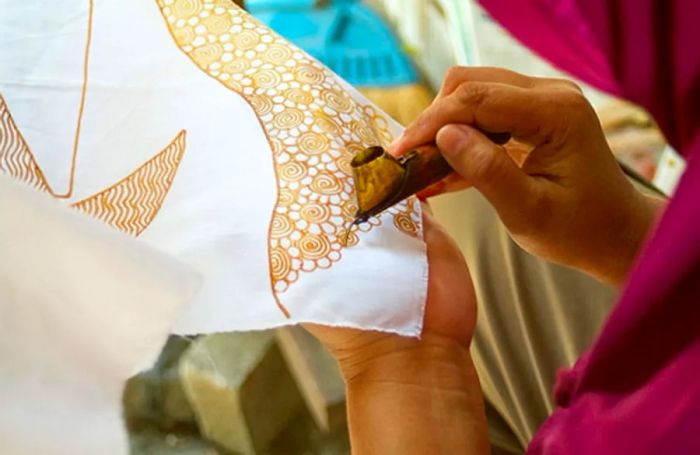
(82, 308)
(198, 130)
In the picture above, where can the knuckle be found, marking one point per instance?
(453, 73)
(569, 110)
(578, 109)
(568, 84)
(453, 77)
(471, 92)
(576, 102)
(527, 81)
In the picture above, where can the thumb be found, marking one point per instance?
(489, 169)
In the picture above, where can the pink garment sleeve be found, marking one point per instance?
(643, 50)
(636, 390)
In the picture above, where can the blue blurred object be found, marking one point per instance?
(345, 35)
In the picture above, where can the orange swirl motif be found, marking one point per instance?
(293, 171)
(281, 226)
(278, 54)
(315, 213)
(408, 220)
(313, 142)
(313, 127)
(288, 119)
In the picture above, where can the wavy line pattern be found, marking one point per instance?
(16, 159)
(131, 204)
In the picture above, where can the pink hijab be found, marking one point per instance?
(638, 388)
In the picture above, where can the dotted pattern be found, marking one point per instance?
(314, 129)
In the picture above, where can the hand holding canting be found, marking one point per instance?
(556, 185)
(417, 396)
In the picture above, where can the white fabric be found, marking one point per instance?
(144, 88)
(440, 33)
(82, 308)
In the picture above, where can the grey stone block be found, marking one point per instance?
(317, 375)
(155, 398)
(241, 390)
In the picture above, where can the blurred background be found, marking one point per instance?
(278, 392)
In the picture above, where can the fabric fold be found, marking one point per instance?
(82, 308)
(193, 127)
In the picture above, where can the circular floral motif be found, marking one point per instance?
(323, 121)
(337, 101)
(236, 66)
(280, 263)
(208, 53)
(313, 143)
(280, 226)
(313, 127)
(403, 222)
(326, 183)
(307, 74)
(285, 197)
(349, 210)
(348, 238)
(217, 23)
(365, 133)
(246, 39)
(266, 78)
(184, 35)
(293, 171)
(263, 105)
(298, 95)
(344, 164)
(183, 9)
(288, 118)
(276, 146)
(314, 246)
(277, 54)
(315, 213)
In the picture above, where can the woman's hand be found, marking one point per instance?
(450, 312)
(556, 185)
(408, 395)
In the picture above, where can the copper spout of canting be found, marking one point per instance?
(382, 181)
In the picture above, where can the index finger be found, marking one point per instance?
(458, 75)
(491, 107)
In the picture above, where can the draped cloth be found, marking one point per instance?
(82, 308)
(635, 390)
(196, 129)
(224, 151)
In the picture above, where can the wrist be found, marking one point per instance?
(422, 399)
(432, 361)
(642, 216)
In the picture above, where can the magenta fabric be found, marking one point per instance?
(637, 390)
